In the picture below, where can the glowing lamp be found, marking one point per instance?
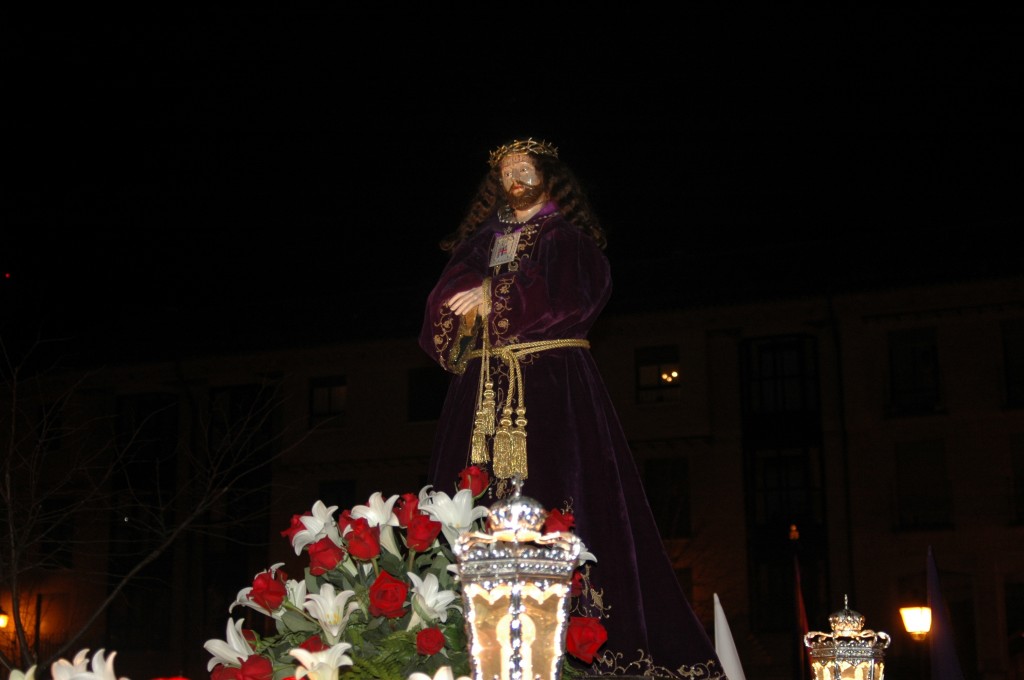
(515, 587)
(4, 619)
(849, 652)
(917, 621)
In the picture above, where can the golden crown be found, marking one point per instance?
(529, 145)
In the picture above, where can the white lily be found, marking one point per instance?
(321, 665)
(30, 674)
(428, 602)
(102, 668)
(296, 593)
(329, 608)
(443, 673)
(456, 514)
(231, 651)
(380, 513)
(62, 669)
(318, 524)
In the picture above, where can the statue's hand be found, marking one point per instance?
(467, 301)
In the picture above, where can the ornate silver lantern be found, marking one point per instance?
(849, 651)
(515, 586)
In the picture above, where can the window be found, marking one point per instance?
(783, 479)
(914, 387)
(923, 495)
(1013, 361)
(684, 576)
(1017, 467)
(57, 517)
(327, 400)
(667, 485)
(244, 431)
(146, 480)
(780, 375)
(786, 488)
(657, 374)
(1013, 605)
(786, 516)
(428, 386)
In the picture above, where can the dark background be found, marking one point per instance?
(202, 176)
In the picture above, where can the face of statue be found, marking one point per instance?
(522, 181)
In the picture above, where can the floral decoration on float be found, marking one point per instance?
(380, 597)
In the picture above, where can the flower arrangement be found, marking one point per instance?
(380, 597)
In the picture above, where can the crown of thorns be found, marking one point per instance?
(529, 145)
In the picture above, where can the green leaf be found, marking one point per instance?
(292, 621)
(392, 564)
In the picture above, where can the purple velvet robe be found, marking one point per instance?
(577, 452)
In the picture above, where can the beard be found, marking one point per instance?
(530, 197)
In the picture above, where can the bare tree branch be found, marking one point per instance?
(64, 458)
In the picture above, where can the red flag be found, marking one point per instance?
(801, 622)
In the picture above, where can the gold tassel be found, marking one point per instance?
(502, 466)
(478, 448)
(518, 453)
(478, 443)
(486, 418)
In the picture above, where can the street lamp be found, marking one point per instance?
(917, 621)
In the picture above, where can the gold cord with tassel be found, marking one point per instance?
(509, 437)
(483, 424)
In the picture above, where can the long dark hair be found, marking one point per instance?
(562, 186)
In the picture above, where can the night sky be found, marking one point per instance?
(220, 170)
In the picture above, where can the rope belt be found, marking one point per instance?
(508, 438)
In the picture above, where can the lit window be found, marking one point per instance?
(657, 374)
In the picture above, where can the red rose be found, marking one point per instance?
(314, 644)
(576, 587)
(324, 555)
(406, 507)
(344, 519)
(584, 636)
(256, 667)
(363, 540)
(429, 641)
(222, 672)
(475, 479)
(559, 521)
(268, 590)
(295, 527)
(387, 596)
(422, 532)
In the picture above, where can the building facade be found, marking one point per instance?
(825, 441)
